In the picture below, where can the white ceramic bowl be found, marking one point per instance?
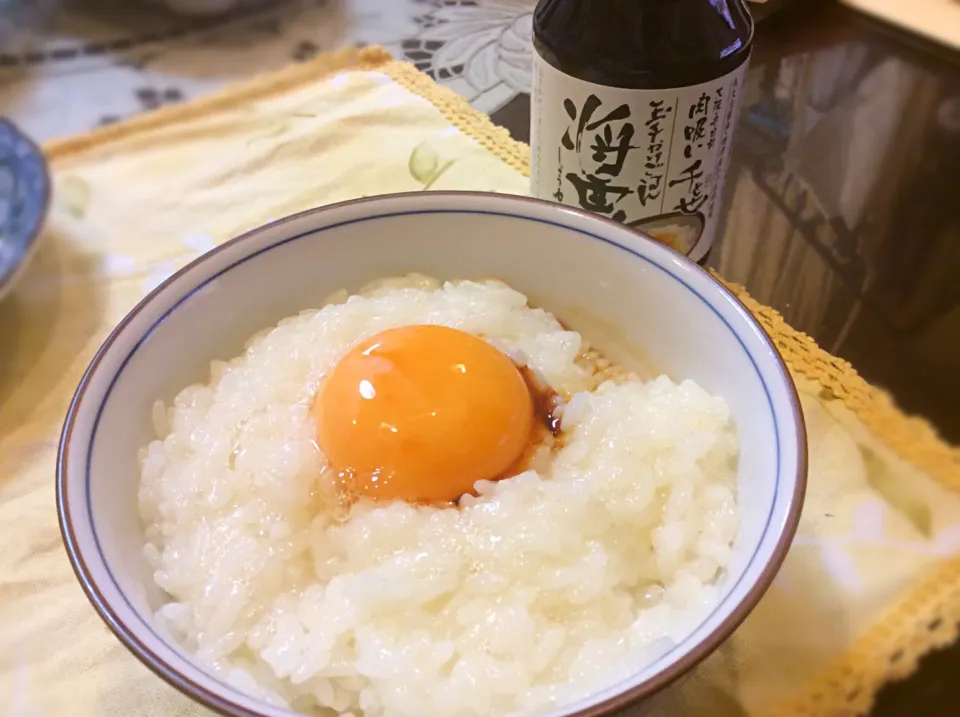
(618, 288)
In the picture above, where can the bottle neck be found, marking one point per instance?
(644, 44)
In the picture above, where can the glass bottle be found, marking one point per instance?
(633, 110)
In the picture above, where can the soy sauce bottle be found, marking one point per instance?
(633, 110)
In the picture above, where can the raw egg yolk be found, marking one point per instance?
(420, 413)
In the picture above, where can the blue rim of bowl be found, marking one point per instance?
(225, 706)
(33, 237)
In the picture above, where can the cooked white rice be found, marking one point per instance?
(546, 587)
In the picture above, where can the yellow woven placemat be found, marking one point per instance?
(871, 583)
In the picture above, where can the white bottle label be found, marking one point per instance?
(652, 159)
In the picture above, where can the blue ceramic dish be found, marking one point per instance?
(24, 198)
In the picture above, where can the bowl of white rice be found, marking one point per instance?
(447, 454)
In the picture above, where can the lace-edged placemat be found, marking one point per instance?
(871, 583)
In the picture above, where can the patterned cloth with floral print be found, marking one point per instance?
(66, 67)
